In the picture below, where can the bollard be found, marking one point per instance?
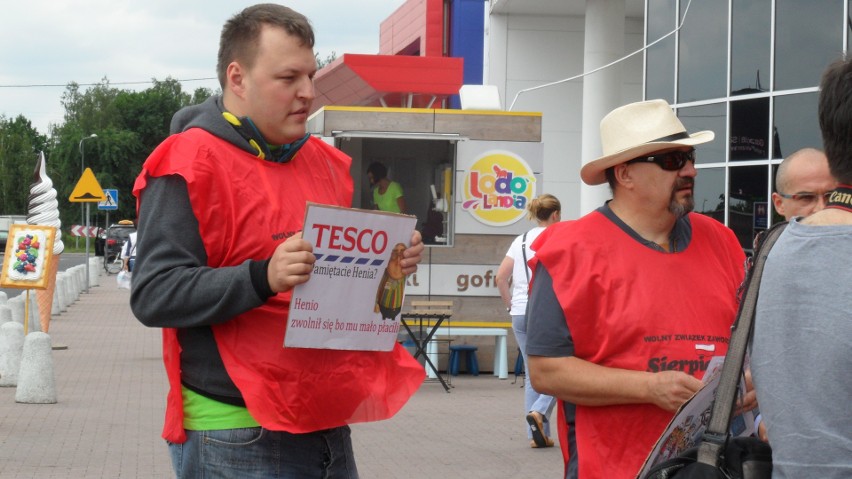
(13, 340)
(94, 272)
(81, 279)
(36, 380)
(3, 297)
(78, 274)
(5, 317)
(35, 317)
(62, 286)
(55, 307)
(16, 304)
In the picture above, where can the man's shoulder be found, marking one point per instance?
(570, 231)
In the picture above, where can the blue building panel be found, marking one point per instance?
(467, 33)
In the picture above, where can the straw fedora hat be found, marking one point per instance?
(636, 130)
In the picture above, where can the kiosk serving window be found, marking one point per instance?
(423, 168)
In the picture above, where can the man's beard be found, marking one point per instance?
(678, 208)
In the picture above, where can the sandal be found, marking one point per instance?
(537, 428)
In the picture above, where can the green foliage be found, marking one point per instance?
(128, 124)
(19, 147)
(328, 59)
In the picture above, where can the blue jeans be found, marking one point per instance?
(533, 400)
(259, 453)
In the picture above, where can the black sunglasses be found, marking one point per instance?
(670, 161)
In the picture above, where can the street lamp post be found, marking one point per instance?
(83, 217)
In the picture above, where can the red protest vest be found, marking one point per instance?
(245, 208)
(630, 307)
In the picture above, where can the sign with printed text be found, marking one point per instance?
(354, 296)
(495, 182)
(474, 280)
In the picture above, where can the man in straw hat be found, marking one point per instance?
(632, 300)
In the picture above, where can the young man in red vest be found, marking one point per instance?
(630, 302)
(221, 205)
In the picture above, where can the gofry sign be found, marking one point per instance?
(498, 187)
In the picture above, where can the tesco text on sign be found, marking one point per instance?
(348, 238)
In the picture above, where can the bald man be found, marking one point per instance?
(802, 184)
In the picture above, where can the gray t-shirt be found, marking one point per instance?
(801, 358)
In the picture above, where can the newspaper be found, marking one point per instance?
(687, 426)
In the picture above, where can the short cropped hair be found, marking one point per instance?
(835, 118)
(378, 170)
(240, 34)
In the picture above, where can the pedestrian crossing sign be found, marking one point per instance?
(111, 200)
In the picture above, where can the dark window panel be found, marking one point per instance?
(659, 78)
(796, 123)
(710, 193)
(747, 195)
(750, 129)
(751, 25)
(703, 51)
(775, 216)
(808, 36)
(706, 117)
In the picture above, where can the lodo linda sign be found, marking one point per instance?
(496, 182)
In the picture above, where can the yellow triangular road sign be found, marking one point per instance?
(88, 190)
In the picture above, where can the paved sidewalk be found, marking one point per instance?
(111, 388)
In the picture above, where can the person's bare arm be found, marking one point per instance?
(584, 383)
(504, 280)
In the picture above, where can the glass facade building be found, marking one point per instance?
(748, 70)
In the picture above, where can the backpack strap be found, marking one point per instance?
(524, 253)
(716, 434)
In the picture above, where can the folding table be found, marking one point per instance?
(429, 315)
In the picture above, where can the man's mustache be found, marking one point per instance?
(684, 182)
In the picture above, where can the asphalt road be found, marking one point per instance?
(66, 260)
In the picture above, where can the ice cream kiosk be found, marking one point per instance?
(467, 169)
(468, 176)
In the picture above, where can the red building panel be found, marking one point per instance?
(410, 70)
(364, 80)
(417, 27)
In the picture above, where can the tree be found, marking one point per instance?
(322, 63)
(19, 147)
(129, 125)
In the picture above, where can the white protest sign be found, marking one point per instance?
(355, 293)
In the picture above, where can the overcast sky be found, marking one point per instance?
(54, 42)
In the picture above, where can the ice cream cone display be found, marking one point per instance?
(44, 210)
(45, 296)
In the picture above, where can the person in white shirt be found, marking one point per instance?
(128, 252)
(514, 272)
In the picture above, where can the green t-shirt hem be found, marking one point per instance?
(200, 413)
(387, 201)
